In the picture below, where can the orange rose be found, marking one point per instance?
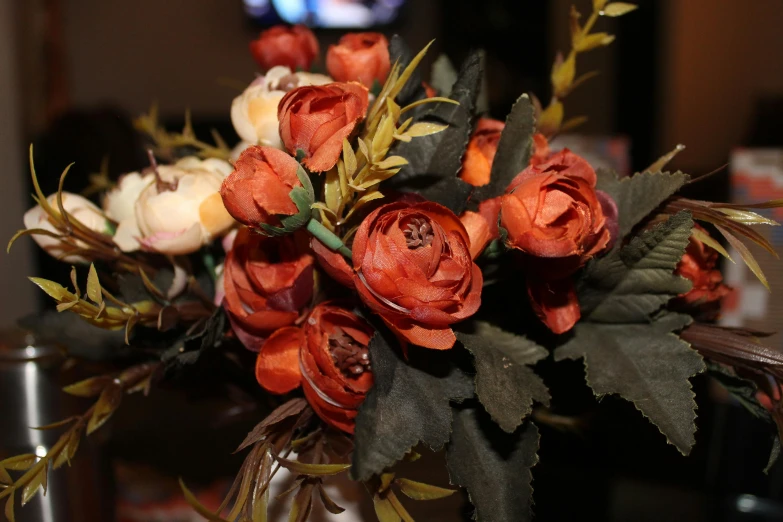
(316, 120)
(360, 57)
(293, 47)
(258, 189)
(553, 214)
(698, 265)
(412, 266)
(267, 282)
(483, 144)
(328, 357)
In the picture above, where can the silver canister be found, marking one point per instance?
(31, 395)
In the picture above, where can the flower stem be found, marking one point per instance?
(325, 236)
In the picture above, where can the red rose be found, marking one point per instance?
(413, 267)
(258, 189)
(698, 266)
(267, 283)
(483, 144)
(360, 57)
(294, 47)
(316, 120)
(553, 214)
(328, 357)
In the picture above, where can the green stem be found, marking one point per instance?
(327, 237)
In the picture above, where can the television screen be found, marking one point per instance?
(324, 13)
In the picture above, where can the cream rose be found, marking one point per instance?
(181, 211)
(119, 204)
(254, 112)
(78, 208)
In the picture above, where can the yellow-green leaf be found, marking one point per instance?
(550, 120)
(55, 290)
(107, 404)
(198, 506)
(740, 247)
(661, 162)
(94, 286)
(424, 129)
(5, 478)
(9, 509)
(399, 508)
(384, 510)
(88, 387)
(391, 162)
(563, 73)
(31, 232)
(305, 468)
(421, 491)
(35, 483)
(746, 217)
(349, 158)
(598, 4)
(19, 462)
(710, 242)
(593, 41)
(618, 9)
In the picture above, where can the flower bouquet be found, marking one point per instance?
(387, 267)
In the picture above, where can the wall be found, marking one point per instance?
(720, 56)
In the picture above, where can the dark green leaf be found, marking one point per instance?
(629, 284)
(638, 195)
(514, 149)
(408, 404)
(493, 466)
(434, 161)
(505, 384)
(645, 364)
(195, 348)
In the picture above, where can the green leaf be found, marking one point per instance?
(408, 404)
(627, 285)
(638, 195)
(305, 468)
(493, 466)
(645, 364)
(422, 491)
(514, 149)
(434, 161)
(505, 384)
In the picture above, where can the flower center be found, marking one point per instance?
(288, 82)
(350, 357)
(418, 233)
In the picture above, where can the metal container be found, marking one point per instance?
(31, 395)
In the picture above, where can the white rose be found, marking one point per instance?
(254, 112)
(79, 209)
(120, 205)
(183, 211)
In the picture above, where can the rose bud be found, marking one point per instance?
(553, 214)
(254, 112)
(483, 144)
(78, 208)
(267, 282)
(698, 266)
(316, 120)
(328, 356)
(293, 47)
(264, 191)
(181, 210)
(413, 267)
(360, 57)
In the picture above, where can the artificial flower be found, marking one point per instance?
(294, 47)
(553, 215)
(328, 357)
(79, 209)
(361, 57)
(483, 144)
(412, 266)
(119, 204)
(267, 283)
(258, 190)
(181, 210)
(254, 112)
(698, 265)
(316, 120)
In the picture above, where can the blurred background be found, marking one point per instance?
(704, 73)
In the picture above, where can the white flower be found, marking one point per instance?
(120, 205)
(254, 112)
(183, 210)
(77, 208)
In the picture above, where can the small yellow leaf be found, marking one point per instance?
(19, 462)
(32, 487)
(421, 491)
(592, 41)
(618, 9)
(740, 247)
(661, 162)
(9, 509)
(563, 73)
(746, 217)
(550, 120)
(349, 158)
(198, 506)
(384, 510)
(89, 387)
(62, 307)
(55, 290)
(424, 129)
(391, 162)
(94, 286)
(598, 4)
(107, 404)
